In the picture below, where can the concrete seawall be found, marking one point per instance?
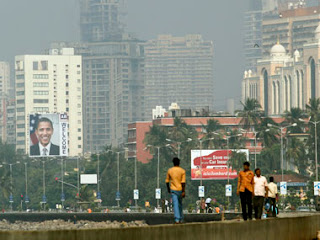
(299, 228)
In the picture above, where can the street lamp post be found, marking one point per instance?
(26, 182)
(44, 185)
(135, 176)
(179, 144)
(118, 177)
(281, 142)
(11, 186)
(62, 193)
(315, 123)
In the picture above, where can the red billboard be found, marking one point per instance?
(213, 164)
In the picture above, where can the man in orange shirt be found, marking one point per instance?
(246, 190)
(176, 184)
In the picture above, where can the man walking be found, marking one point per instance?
(260, 192)
(272, 195)
(246, 190)
(176, 184)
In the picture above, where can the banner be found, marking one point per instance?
(48, 135)
(213, 164)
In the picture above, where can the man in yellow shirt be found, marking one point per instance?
(176, 184)
(246, 190)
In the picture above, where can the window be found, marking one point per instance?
(20, 142)
(79, 138)
(67, 84)
(20, 76)
(20, 109)
(20, 134)
(40, 76)
(20, 101)
(67, 101)
(79, 146)
(40, 84)
(79, 105)
(40, 100)
(78, 72)
(79, 81)
(19, 118)
(35, 65)
(41, 109)
(20, 85)
(20, 93)
(67, 109)
(78, 66)
(20, 125)
(79, 129)
(67, 92)
(44, 65)
(79, 89)
(67, 76)
(40, 92)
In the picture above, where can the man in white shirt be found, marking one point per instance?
(272, 196)
(260, 192)
(208, 203)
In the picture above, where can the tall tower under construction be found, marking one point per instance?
(101, 20)
(112, 74)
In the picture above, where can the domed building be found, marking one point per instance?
(283, 81)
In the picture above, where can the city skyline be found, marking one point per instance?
(64, 25)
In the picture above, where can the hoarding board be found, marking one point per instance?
(48, 135)
(213, 164)
(88, 179)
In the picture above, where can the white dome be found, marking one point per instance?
(317, 32)
(278, 50)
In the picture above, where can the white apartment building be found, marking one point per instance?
(49, 84)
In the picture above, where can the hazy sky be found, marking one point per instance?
(29, 26)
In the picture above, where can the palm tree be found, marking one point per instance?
(268, 136)
(296, 152)
(212, 138)
(313, 108)
(250, 114)
(293, 116)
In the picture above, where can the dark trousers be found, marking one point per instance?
(258, 202)
(246, 201)
(272, 202)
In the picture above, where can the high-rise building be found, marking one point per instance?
(112, 73)
(285, 80)
(49, 84)
(293, 28)
(101, 20)
(178, 69)
(113, 92)
(257, 11)
(7, 105)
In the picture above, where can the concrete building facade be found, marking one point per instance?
(49, 84)
(178, 69)
(283, 80)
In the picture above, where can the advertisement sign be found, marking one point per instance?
(48, 135)
(228, 190)
(213, 164)
(316, 188)
(158, 193)
(118, 196)
(283, 188)
(88, 179)
(136, 194)
(201, 191)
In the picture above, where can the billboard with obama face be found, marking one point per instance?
(48, 135)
